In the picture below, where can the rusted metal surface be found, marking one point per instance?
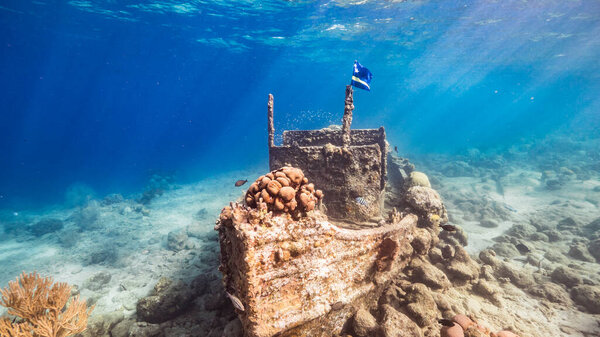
(301, 273)
(270, 125)
(347, 164)
(344, 174)
(287, 273)
(347, 119)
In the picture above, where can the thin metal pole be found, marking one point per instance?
(347, 119)
(270, 125)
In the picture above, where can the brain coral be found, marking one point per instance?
(284, 190)
(418, 179)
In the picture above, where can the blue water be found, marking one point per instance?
(106, 93)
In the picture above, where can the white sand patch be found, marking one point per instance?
(130, 246)
(480, 238)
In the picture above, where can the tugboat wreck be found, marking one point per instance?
(321, 234)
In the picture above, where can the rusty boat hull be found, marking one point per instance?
(288, 272)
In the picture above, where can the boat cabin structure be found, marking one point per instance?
(349, 165)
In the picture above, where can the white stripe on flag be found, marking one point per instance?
(356, 79)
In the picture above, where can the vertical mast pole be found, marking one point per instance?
(270, 125)
(347, 119)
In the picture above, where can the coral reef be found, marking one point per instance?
(284, 190)
(41, 308)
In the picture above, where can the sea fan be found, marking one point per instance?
(41, 308)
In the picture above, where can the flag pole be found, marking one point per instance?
(270, 124)
(347, 119)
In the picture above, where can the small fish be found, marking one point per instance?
(522, 248)
(449, 228)
(361, 201)
(510, 208)
(396, 149)
(240, 182)
(236, 302)
(446, 322)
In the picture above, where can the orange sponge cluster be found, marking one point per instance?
(284, 190)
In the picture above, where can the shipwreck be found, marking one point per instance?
(313, 239)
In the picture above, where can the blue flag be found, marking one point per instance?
(361, 77)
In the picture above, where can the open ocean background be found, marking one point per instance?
(98, 95)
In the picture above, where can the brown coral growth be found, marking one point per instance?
(41, 308)
(284, 190)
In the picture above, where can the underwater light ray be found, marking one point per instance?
(560, 71)
(580, 53)
(587, 122)
(47, 84)
(468, 51)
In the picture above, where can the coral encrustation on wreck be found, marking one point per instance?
(284, 190)
(283, 272)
